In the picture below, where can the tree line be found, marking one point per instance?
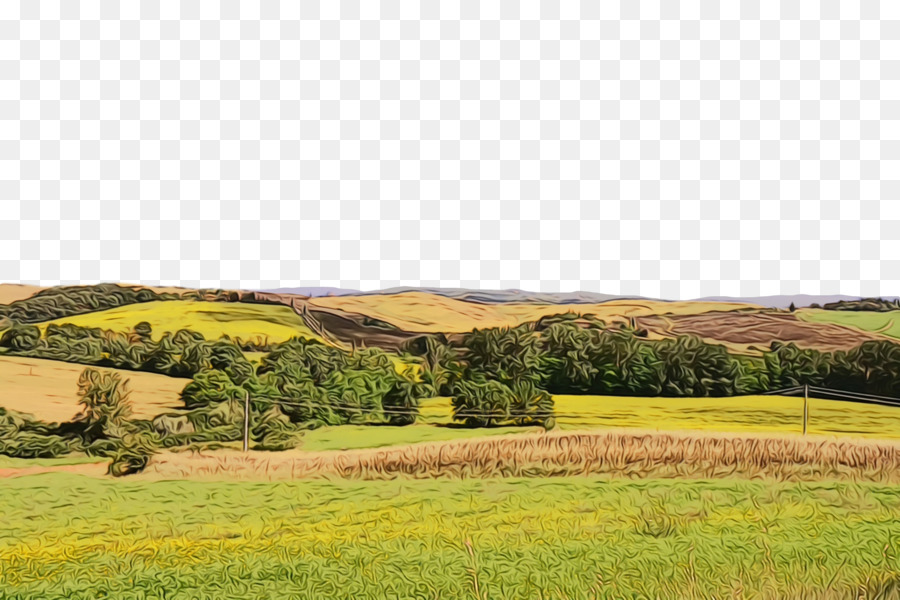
(179, 354)
(302, 384)
(65, 301)
(507, 375)
(864, 304)
(495, 376)
(69, 300)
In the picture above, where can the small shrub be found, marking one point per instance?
(491, 403)
(21, 338)
(132, 453)
(23, 444)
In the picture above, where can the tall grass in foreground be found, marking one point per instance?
(576, 538)
(627, 453)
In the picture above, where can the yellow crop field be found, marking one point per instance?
(430, 313)
(777, 414)
(248, 322)
(48, 389)
(742, 414)
(762, 414)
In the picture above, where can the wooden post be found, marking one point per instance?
(805, 407)
(247, 421)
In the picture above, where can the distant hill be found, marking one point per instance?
(467, 295)
(784, 301)
(578, 297)
(391, 318)
(313, 292)
(511, 295)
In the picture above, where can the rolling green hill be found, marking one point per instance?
(248, 322)
(886, 323)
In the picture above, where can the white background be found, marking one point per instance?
(673, 149)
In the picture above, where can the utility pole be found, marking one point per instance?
(247, 421)
(805, 407)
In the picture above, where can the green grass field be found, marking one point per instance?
(887, 323)
(522, 539)
(273, 323)
(7, 462)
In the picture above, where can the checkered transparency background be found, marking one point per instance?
(673, 149)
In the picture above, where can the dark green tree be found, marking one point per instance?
(105, 404)
(21, 338)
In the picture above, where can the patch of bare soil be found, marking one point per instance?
(759, 329)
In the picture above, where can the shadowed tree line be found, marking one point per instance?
(69, 300)
(301, 384)
(65, 301)
(864, 304)
(507, 374)
(179, 354)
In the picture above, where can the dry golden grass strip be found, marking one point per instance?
(618, 453)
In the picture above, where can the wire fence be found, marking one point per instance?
(580, 417)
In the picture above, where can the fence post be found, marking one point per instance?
(805, 407)
(247, 421)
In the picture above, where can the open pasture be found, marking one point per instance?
(578, 537)
(885, 323)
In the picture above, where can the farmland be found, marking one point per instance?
(48, 389)
(759, 414)
(512, 538)
(773, 414)
(429, 313)
(423, 445)
(886, 323)
(750, 332)
(247, 322)
(631, 453)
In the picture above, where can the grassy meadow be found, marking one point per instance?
(511, 538)
(248, 322)
(7, 462)
(887, 323)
